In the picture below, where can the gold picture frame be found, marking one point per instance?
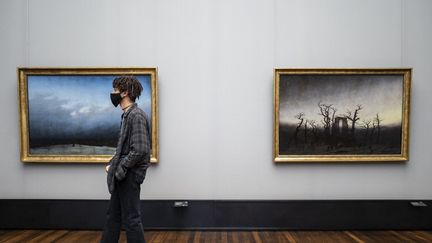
(341, 114)
(62, 107)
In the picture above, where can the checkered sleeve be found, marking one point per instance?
(139, 142)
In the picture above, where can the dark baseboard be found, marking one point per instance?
(225, 214)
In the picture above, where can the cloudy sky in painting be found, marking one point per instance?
(71, 105)
(376, 93)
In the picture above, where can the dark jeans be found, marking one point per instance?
(124, 206)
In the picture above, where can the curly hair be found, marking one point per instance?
(130, 84)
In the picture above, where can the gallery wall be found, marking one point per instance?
(215, 63)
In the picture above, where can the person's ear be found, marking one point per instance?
(125, 93)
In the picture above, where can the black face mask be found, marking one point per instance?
(116, 98)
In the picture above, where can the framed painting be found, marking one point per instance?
(341, 115)
(66, 114)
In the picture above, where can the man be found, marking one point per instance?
(127, 169)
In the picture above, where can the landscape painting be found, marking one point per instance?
(67, 115)
(341, 115)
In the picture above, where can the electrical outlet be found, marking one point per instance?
(418, 204)
(181, 204)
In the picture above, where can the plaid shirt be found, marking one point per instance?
(133, 148)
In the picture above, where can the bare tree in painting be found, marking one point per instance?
(325, 112)
(366, 126)
(353, 117)
(378, 126)
(314, 133)
(372, 134)
(305, 131)
(300, 117)
(314, 129)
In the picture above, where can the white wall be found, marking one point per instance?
(216, 61)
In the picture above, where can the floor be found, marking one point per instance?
(222, 236)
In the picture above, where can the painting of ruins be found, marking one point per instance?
(341, 115)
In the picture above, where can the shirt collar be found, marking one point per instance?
(125, 114)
